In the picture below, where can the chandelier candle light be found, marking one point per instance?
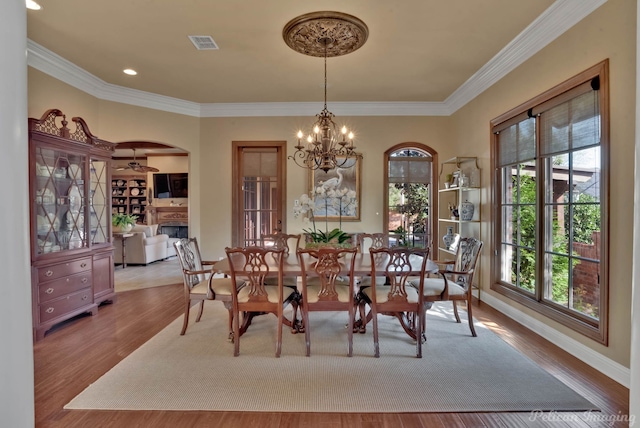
(325, 34)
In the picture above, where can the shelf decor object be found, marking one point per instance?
(71, 244)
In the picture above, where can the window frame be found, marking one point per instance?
(598, 329)
(433, 196)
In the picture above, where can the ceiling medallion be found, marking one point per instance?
(325, 34)
(339, 32)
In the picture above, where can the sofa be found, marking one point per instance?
(145, 246)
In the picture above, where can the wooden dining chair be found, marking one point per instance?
(200, 284)
(321, 289)
(290, 244)
(287, 242)
(251, 266)
(455, 278)
(399, 298)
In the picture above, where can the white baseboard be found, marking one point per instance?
(605, 365)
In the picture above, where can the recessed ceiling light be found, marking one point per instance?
(31, 4)
(130, 72)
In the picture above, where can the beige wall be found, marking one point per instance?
(607, 33)
(374, 136)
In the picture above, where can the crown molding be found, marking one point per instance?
(57, 67)
(310, 109)
(558, 18)
(551, 24)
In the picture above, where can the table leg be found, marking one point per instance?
(124, 260)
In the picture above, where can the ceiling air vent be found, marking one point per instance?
(203, 42)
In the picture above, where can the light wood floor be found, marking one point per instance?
(77, 353)
(135, 277)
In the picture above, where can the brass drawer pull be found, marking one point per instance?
(84, 280)
(84, 264)
(49, 290)
(48, 273)
(49, 310)
(85, 297)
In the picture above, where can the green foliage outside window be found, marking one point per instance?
(585, 219)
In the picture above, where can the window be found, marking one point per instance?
(409, 196)
(551, 212)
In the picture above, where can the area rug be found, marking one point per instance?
(458, 373)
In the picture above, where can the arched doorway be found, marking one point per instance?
(155, 185)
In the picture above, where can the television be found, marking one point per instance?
(172, 185)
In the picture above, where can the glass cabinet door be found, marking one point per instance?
(59, 200)
(98, 204)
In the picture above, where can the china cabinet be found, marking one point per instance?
(71, 248)
(458, 205)
(129, 195)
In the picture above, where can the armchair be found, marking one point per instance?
(199, 282)
(454, 282)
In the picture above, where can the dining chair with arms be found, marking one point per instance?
(199, 282)
(455, 278)
(321, 288)
(251, 266)
(399, 298)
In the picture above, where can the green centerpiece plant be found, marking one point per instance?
(123, 223)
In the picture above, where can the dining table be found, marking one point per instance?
(362, 268)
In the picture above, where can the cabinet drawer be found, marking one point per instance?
(48, 273)
(60, 307)
(61, 286)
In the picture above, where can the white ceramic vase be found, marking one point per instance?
(466, 211)
(448, 238)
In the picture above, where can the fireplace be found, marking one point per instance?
(174, 229)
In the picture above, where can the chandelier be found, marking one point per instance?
(325, 34)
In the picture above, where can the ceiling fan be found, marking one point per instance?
(135, 166)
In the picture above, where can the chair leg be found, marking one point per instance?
(455, 310)
(200, 311)
(307, 334)
(185, 323)
(418, 323)
(230, 324)
(470, 315)
(352, 315)
(376, 345)
(279, 336)
(236, 334)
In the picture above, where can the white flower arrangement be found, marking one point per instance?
(340, 201)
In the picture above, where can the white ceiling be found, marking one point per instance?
(422, 56)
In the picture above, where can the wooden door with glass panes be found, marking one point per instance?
(259, 189)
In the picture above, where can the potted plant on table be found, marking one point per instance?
(343, 201)
(123, 223)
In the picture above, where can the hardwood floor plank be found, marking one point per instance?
(75, 354)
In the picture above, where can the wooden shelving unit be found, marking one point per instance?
(464, 187)
(129, 195)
